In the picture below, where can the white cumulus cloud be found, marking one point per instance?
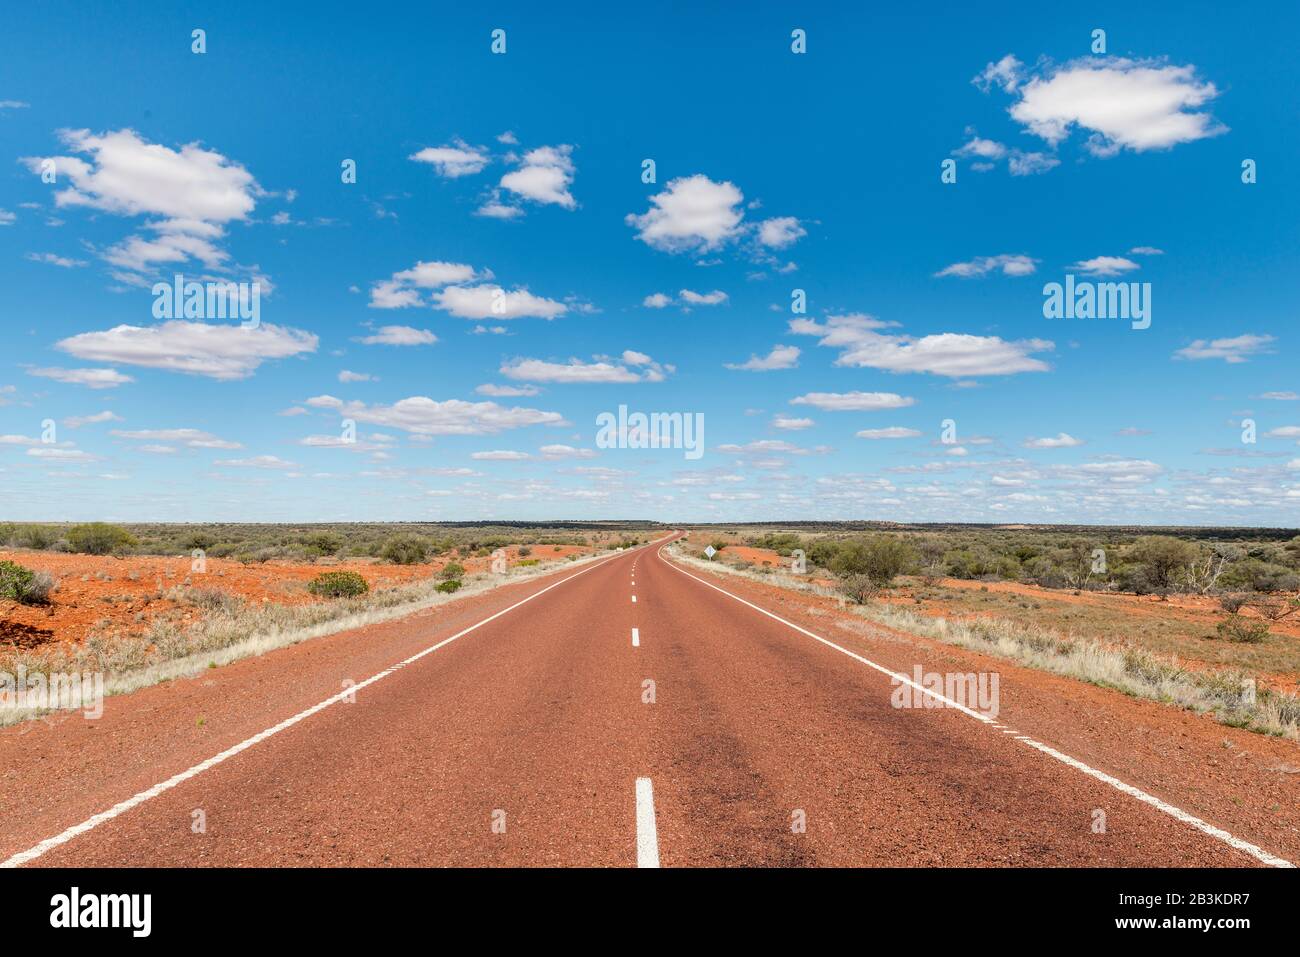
(692, 214)
(193, 348)
(854, 401)
(454, 161)
(781, 357)
(1232, 350)
(1061, 441)
(957, 355)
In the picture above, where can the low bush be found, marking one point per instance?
(452, 570)
(1256, 575)
(209, 599)
(1277, 609)
(1241, 630)
(859, 589)
(38, 537)
(338, 585)
(1232, 603)
(880, 558)
(24, 585)
(405, 550)
(324, 543)
(449, 586)
(99, 538)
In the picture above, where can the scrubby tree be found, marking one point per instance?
(405, 550)
(879, 557)
(930, 549)
(99, 538)
(1255, 575)
(1164, 560)
(326, 543)
(38, 537)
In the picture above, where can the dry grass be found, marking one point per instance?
(1133, 671)
(227, 628)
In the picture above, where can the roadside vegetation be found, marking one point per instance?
(401, 544)
(21, 584)
(338, 585)
(1217, 612)
(1257, 574)
(205, 625)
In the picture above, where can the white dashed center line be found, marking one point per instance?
(636, 638)
(647, 838)
(122, 807)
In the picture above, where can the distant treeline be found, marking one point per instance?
(1112, 559)
(400, 543)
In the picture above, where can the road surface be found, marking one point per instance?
(625, 712)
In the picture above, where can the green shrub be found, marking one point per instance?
(405, 550)
(7, 530)
(99, 538)
(324, 543)
(24, 585)
(783, 543)
(449, 586)
(858, 588)
(528, 561)
(880, 558)
(338, 585)
(1255, 575)
(39, 537)
(452, 570)
(1165, 560)
(525, 551)
(1244, 631)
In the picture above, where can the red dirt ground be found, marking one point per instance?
(1202, 611)
(124, 594)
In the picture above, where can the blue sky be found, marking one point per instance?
(519, 176)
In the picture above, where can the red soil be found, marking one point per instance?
(123, 595)
(1202, 611)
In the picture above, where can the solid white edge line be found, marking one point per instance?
(647, 837)
(1236, 843)
(123, 806)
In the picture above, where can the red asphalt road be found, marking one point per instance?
(538, 715)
